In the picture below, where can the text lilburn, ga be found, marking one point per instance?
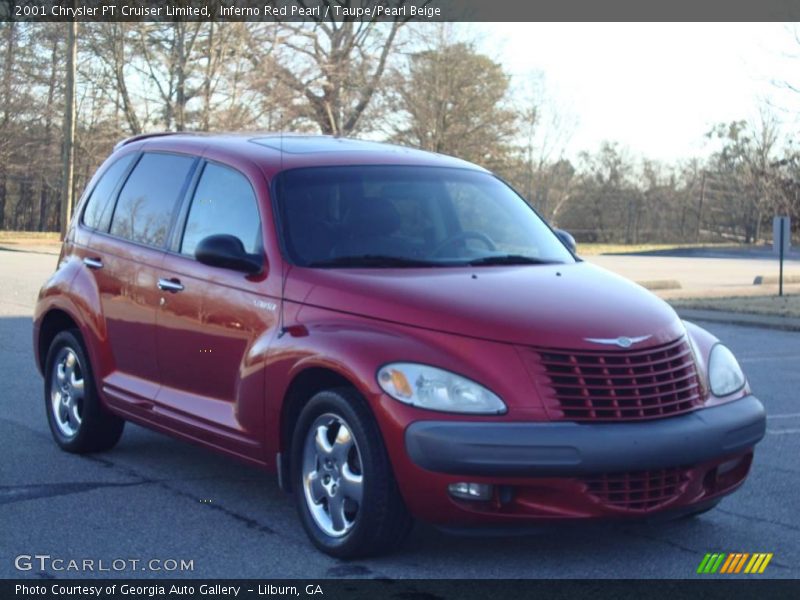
(64, 589)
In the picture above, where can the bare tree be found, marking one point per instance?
(539, 168)
(454, 102)
(68, 141)
(6, 139)
(334, 68)
(742, 176)
(169, 61)
(232, 94)
(113, 45)
(46, 185)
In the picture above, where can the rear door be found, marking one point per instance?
(128, 249)
(93, 214)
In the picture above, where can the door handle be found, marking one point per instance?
(93, 263)
(170, 285)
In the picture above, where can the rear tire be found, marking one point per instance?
(78, 421)
(345, 491)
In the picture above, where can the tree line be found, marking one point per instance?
(415, 84)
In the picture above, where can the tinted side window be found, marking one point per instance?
(97, 211)
(148, 198)
(224, 202)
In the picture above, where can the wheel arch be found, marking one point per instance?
(303, 386)
(53, 322)
(335, 351)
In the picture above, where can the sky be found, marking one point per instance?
(655, 88)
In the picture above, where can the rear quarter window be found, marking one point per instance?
(98, 207)
(148, 198)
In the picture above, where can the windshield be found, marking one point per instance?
(396, 216)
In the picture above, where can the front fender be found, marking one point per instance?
(703, 342)
(354, 348)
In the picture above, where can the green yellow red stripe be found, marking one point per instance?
(734, 562)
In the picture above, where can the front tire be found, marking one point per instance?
(345, 491)
(78, 422)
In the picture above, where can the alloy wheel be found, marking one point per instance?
(333, 482)
(67, 392)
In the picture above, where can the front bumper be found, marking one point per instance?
(564, 449)
(548, 472)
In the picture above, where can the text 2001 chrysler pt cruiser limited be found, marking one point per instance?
(396, 333)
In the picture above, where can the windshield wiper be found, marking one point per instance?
(374, 260)
(510, 259)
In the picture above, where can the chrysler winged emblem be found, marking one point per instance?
(622, 341)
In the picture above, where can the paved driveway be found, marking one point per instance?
(702, 276)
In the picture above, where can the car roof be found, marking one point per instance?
(276, 152)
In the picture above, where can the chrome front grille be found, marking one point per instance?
(621, 385)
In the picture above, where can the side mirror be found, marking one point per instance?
(227, 252)
(567, 239)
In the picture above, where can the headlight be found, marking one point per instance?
(437, 389)
(725, 376)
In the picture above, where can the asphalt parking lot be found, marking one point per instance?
(156, 498)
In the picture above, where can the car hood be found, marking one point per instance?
(538, 305)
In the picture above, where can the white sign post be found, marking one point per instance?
(781, 242)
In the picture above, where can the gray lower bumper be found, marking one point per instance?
(567, 449)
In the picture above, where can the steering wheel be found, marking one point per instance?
(464, 235)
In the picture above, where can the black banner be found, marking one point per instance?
(437, 589)
(404, 10)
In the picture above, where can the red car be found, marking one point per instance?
(397, 334)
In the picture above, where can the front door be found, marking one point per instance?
(213, 327)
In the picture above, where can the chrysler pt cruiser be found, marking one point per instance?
(396, 334)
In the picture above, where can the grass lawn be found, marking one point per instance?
(595, 249)
(30, 237)
(779, 306)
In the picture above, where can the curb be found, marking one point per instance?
(660, 284)
(745, 319)
(774, 279)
